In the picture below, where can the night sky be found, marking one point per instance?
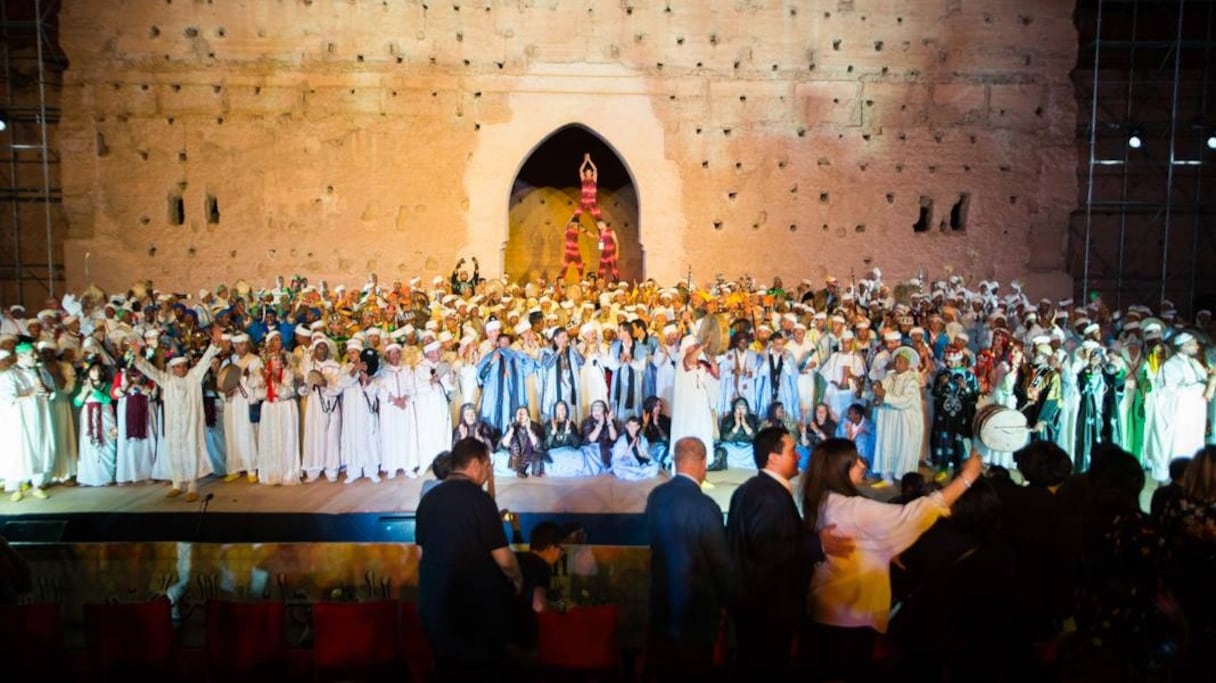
(554, 163)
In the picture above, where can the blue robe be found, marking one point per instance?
(787, 385)
(625, 394)
(550, 389)
(501, 376)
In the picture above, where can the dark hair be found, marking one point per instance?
(442, 465)
(1199, 482)
(772, 409)
(767, 440)
(649, 404)
(544, 536)
(999, 473)
(1043, 463)
(1115, 482)
(978, 510)
(859, 407)
(465, 451)
(828, 473)
(912, 486)
(1178, 467)
(747, 406)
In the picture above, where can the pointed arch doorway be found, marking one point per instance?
(544, 196)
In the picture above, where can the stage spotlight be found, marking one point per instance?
(1212, 141)
(1134, 140)
(3, 125)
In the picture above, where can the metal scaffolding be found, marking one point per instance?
(1143, 232)
(31, 80)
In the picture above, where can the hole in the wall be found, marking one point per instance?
(793, 227)
(958, 213)
(861, 227)
(878, 46)
(212, 207)
(177, 210)
(191, 32)
(144, 220)
(717, 225)
(890, 197)
(154, 32)
(181, 156)
(102, 149)
(925, 219)
(824, 197)
(1013, 199)
(836, 44)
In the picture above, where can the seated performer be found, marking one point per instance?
(600, 432)
(656, 427)
(631, 459)
(525, 443)
(563, 446)
(735, 433)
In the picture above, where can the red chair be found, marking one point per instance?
(357, 639)
(414, 645)
(245, 638)
(583, 639)
(31, 640)
(130, 638)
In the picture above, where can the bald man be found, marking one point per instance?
(690, 570)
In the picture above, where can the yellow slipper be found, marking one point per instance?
(253, 477)
(16, 497)
(173, 493)
(191, 497)
(40, 494)
(232, 477)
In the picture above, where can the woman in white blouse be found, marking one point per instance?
(850, 597)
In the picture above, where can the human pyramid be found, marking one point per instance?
(300, 381)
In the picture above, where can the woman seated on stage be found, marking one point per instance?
(656, 427)
(600, 432)
(818, 429)
(563, 446)
(631, 459)
(471, 426)
(524, 442)
(777, 417)
(735, 434)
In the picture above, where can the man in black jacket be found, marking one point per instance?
(690, 572)
(773, 558)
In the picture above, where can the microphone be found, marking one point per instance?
(202, 514)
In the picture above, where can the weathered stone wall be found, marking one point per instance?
(337, 137)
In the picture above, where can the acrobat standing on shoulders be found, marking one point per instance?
(589, 176)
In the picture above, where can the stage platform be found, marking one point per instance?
(607, 508)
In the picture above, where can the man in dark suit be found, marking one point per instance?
(773, 558)
(690, 574)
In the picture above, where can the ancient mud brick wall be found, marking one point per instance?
(205, 141)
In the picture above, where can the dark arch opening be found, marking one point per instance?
(546, 193)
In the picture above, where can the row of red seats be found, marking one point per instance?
(378, 639)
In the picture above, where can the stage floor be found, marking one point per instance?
(604, 494)
(608, 509)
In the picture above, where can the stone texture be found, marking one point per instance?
(785, 138)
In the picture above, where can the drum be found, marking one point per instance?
(1000, 428)
(229, 378)
(315, 378)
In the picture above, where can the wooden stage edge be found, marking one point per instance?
(604, 494)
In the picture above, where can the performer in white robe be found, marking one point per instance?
(593, 386)
(98, 430)
(322, 413)
(737, 370)
(842, 373)
(138, 422)
(185, 427)
(398, 422)
(1184, 383)
(240, 433)
(61, 377)
(899, 417)
(279, 430)
(528, 345)
(807, 360)
(693, 402)
(360, 445)
(465, 369)
(28, 456)
(666, 362)
(432, 385)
